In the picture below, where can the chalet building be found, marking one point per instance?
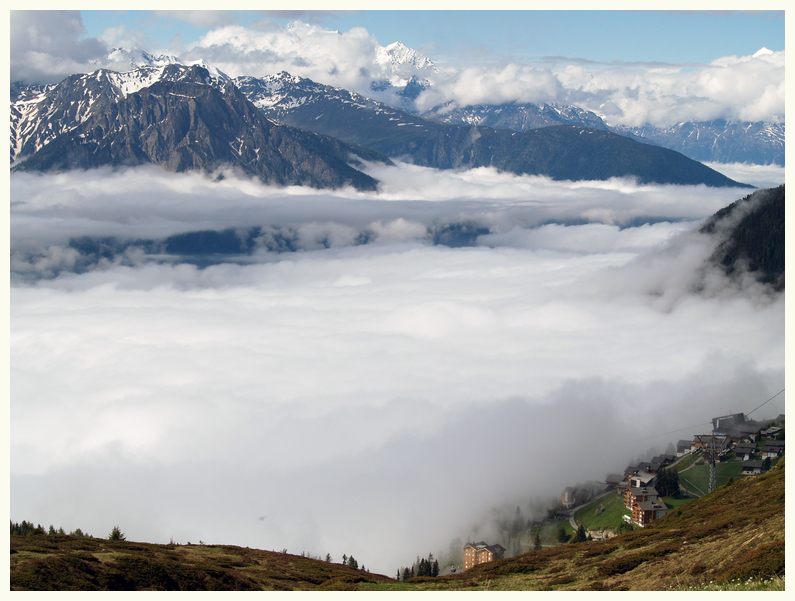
(771, 431)
(683, 447)
(650, 467)
(776, 443)
(641, 479)
(751, 468)
(770, 451)
(477, 553)
(663, 460)
(644, 504)
(633, 494)
(567, 498)
(745, 450)
(750, 430)
(645, 512)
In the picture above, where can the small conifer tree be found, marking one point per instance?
(116, 534)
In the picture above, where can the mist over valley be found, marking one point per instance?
(319, 391)
(251, 305)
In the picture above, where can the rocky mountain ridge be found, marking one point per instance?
(409, 73)
(184, 122)
(46, 122)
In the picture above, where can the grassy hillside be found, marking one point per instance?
(57, 562)
(604, 513)
(722, 540)
(718, 541)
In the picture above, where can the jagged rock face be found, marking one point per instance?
(39, 118)
(183, 125)
(41, 114)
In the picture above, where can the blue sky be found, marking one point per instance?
(614, 35)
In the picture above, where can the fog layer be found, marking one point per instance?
(453, 343)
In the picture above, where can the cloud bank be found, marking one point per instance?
(327, 398)
(745, 88)
(47, 46)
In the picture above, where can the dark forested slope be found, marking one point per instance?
(753, 236)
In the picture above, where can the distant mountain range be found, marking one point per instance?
(718, 141)
(194, 117)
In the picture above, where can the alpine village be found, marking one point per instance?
(706, 515)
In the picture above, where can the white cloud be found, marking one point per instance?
(46, 46)
(761, 176)
(749, 88)
(414, 203)
(320, 400)
(345, 59)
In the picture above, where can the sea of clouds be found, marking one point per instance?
(455, 342)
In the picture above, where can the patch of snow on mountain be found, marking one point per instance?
(121, 59)
(214, 71)
(129, 82)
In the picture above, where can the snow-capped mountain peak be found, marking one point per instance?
(121, 59)
(398, 56)
(213, 71)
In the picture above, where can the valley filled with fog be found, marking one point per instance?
(377, 370)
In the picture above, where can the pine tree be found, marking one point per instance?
(537, 542)
(435, 568)
(581, 535)
(562, 536)
(116, 534)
